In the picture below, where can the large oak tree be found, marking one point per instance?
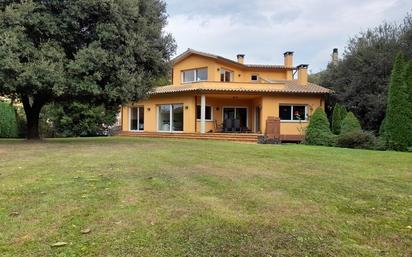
(96, 51)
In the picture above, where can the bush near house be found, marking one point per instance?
(318, 132)
(339, 113)
(8, 121)
(358, 139)
(350, 124)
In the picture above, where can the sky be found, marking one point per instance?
(264, 29)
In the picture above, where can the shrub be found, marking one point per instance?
(339, 113)
(8, 121)
(357, 139)
(265, 140)
(318, 132)
(350, 124)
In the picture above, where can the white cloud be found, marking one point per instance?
(264, 29)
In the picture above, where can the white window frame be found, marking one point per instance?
(137, 118)
(211, 113)
(170, 118)
(194, 75)
(232, 75)
(291, 113)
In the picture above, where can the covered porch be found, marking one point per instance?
(224, 113)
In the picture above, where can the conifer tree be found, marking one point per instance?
(336, 119)
(318, 132)
(398, 108)
(350, 124)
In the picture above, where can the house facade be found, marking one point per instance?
(211, 94)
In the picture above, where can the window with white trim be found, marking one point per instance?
(208, 113)
(226, 75)
(293, 112)
(194, 75)
(254, 77)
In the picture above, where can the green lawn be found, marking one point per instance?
(159, 197)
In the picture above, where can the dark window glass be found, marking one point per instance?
(299, 113)
(208, 112)
(285, 112)
(254, 77)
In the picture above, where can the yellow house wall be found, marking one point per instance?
(150, 116)
(213, 66)
(270, 107)
(218, 104)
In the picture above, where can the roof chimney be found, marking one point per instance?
(335, 56)
(288, 62)
(288, 58)
(303, 74)
(241, 58)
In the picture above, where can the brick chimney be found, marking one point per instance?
(241, 58)
(288, 62)
(335, 56)
(303, 74)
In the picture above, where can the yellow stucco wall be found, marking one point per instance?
(269, 105)
(239, 74)
(150, 111)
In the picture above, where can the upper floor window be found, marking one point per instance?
(293, 112)
(226, 75)
(194, 75)
(254, 77)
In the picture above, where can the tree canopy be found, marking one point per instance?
(361, 78)
(103, 52)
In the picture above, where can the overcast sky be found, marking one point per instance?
(265, 29)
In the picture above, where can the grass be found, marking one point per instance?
(159, 197)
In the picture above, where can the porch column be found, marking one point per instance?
(203, 114)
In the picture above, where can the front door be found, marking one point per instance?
(170, 118)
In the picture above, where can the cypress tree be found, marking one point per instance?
(407, 78)
(337, 119)
(343, 112)
(8, 121)
(398, 109)
(318, 132)
(350, 124)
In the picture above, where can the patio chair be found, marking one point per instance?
(237, 125)
(228, 125)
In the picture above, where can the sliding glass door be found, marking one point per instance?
(137, 118)
(170, 118)
(236, 113)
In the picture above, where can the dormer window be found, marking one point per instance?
(254, 78)
(194, 75)
(226, 75)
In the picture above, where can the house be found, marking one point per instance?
(213, 94)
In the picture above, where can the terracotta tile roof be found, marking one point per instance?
(217, 57)
(281, 86)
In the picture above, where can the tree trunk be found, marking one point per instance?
(32, 115)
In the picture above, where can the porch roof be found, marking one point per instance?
(281, 86)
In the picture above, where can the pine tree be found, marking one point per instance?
(350, 124)
(318, 132)
(398, 109)
(337, 119)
